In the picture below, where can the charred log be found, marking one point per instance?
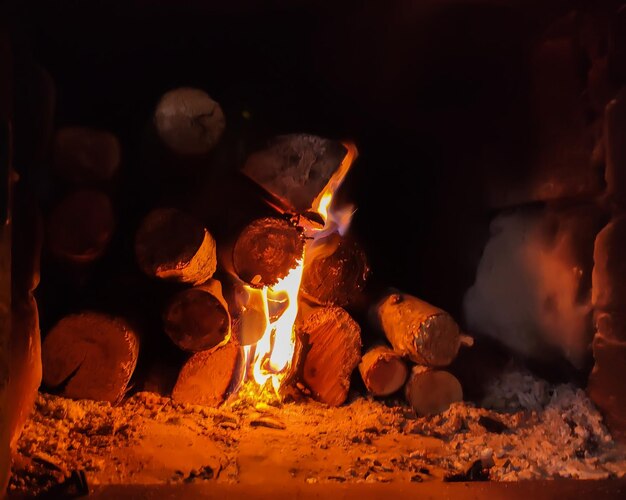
(90, 356)
(383, 371)
(173, 245)
(197, 318)
(335, 351)
(266, 250)
(432, 391)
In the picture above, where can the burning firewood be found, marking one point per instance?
(432, 391)
(90, 356)
(424, 333)
(83, 155)
(173, 245)
(81, 226)
(197, 318)
(335, 351)
(295, 168)
(266, 250)
(207, 375)
(188, 121)
(383, 371)
(338, 275)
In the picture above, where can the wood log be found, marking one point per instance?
(171, 244)
(197, 318)
(188, 121)
(432, 391)
(90, 356)
(81, 226)
(207, 376)
(84, 155)
(383, 371)
(334, 340)
(424, 333)
(266, 250)
(295, 168)
(338, 276)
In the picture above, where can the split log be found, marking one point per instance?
(424, 333)
(266, 250)
(207, 375)
(188, 121)
(197, 318)
(334, 340)
(173, 245)
(81, 226)
(432, 391)
(90, 356)
(85, 155)
(337, 277)
(295, 168)
(383, 371)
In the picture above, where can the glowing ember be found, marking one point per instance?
(271, 357)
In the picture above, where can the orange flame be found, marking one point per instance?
(271, 357)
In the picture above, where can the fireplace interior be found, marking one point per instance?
(272, 249)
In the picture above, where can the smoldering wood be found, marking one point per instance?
(266, 250)
(81, 226)
(90, 355)
(431, 391)
(83, 155)
(173, 245)
(197, 318)
(338, 276)
(206, 377)
(383, 371)
(188, 121)
(295, 168)
(418, 330)
(335, 351)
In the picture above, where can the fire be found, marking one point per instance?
(271, 357)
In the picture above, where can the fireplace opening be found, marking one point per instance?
(302, 249)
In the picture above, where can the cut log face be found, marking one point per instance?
(90, 356)
(432, 391)
(336, 279)
(207, 375)
(295, 168)
(424, 333)
(335, 351)
(85, 155)
(188, 121)
(266, 250)
(173, 245)
(197, 319)
(81, 226)
(383, 371)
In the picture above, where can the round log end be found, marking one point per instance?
(383, 371)
(171, 244)
(81, 226)
(432, 391)
(266, 250)
(188, 121)
(438, 340)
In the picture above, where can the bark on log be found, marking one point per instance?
(188, 121)
(335, 351)
(337, 277)
(207, 375)
(266, 250)
(432, 391)
(84, 155)
(197, 318)
(383, 371)
(295, 168)
(173, 245)
(81, 226)
(90, 356)
(424, 333)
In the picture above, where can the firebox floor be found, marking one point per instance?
(525, 429)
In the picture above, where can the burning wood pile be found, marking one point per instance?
(263, 311)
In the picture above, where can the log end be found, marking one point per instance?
(383, 371)
(432, 391)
